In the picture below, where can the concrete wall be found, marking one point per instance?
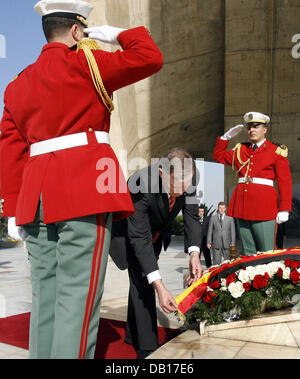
(182, 105)
(260, 72)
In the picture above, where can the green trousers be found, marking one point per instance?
(257, 235)
(68, 264)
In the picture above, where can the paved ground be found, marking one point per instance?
(15, 287)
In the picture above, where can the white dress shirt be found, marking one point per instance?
(258, 144)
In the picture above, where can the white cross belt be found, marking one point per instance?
(266, 182)
(65, 142)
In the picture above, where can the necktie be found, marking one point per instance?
(221, 220)
(172, 201)
(255, 147)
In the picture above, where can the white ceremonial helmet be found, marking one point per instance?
(73, 9)
(256, 117)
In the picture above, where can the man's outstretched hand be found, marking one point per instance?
(166, 299)
(195, 268)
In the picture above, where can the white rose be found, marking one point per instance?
(243, 276)
(261, 269)
(251, 272)
(286, 273)
(272, 268)
(236, 289)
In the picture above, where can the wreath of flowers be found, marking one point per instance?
(247, 292)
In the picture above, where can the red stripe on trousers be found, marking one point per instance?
(93, 284)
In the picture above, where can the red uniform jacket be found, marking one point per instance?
(257, 201)
(55, 97)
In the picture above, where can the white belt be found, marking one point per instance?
(266, 182)
(65, 142)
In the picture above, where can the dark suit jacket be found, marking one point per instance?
(204, 230)
(132, 238)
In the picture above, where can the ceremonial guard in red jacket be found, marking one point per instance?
(254, 202)
(55, 155)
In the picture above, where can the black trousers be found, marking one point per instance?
(207, 257)
(206, 252)
(141, 329)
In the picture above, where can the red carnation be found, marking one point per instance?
(259, 282)
(246, 286)
(215, 284)
(295, 276)
(280, 272)
(231, 278)
(209, 296)
(295, 264)
(287, 262)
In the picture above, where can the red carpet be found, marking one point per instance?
(110, 345)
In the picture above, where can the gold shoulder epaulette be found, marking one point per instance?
(87, 45)
(282, 150)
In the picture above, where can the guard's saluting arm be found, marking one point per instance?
(220, 153)
(139, 59)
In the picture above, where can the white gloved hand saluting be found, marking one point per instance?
(104, 33)
(282, 216)
(233, 132)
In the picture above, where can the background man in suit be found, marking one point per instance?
(221, 234)
(159, 193)
(203, 224)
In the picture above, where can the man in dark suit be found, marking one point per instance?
(159, 192)
(203, 224)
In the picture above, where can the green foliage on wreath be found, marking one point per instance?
(276, 295)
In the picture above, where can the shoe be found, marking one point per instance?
(142, 354)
